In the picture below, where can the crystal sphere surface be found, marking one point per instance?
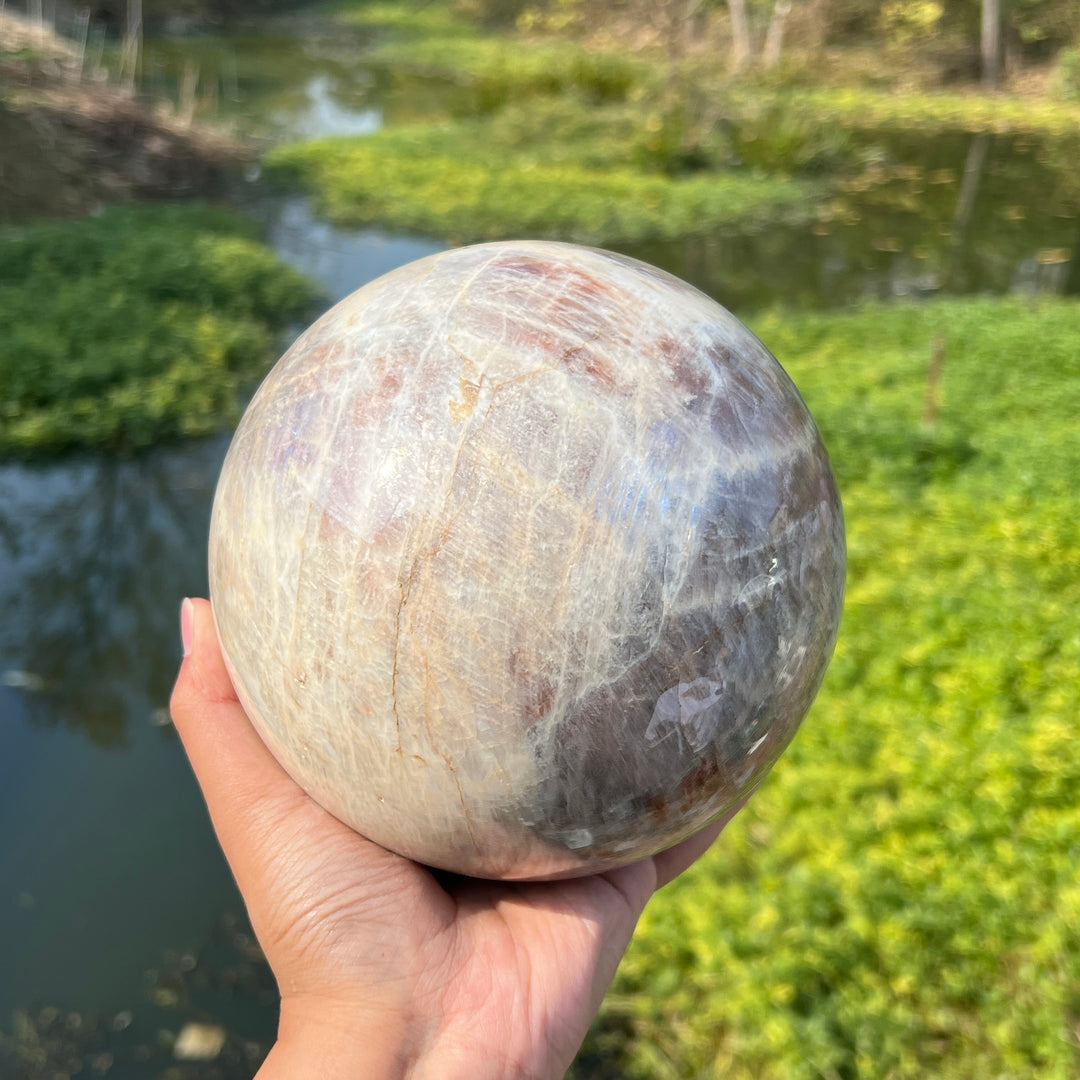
(527, 560)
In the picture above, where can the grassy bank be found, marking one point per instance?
(862, 109)
(527, 134)
(134, 326)
(534, 135)
(451, 183)
(900, 900)
(74, 138)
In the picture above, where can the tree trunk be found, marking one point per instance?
(132, 45)
(991, 43)
(1071, 285)
(740, 35)
(774, 39)
(974, 167)
(691, 23)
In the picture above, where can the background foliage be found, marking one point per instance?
(453, 183)
(134, 326)
(901, 898)
(551, 137)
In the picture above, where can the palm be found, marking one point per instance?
(513, 972)
(506, 974)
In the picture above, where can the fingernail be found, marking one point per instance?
(187, 625)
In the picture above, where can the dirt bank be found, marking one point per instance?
(70, 140)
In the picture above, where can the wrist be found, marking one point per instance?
(329, 1040)
(320, 1040)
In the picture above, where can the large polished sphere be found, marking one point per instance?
(527, 560)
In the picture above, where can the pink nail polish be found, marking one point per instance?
(187, 625)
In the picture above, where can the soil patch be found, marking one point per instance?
(70, 142)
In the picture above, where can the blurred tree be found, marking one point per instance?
(962, 38)
(774, 38)
(956, 40)
(741, 51)
(744, 17)
(991, 43)
(116, 15)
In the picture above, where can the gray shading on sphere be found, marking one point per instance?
(527, 560)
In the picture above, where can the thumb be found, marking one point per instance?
(246, 791)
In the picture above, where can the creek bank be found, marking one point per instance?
(863, 191)
(139, 324)
(71, 141)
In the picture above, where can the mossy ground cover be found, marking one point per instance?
(499, 70)
(134, 326)
(438, 181)
(498, 66)
(864, 109)
(902, 899)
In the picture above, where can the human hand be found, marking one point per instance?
(386, 969)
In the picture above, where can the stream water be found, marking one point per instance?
(109, 866)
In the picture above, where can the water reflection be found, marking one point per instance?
(340, 259)
(325, 113)
(110, 859)
(284, 86)
(108, 854)
(951, 214)
(95, 556)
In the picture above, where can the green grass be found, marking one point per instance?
(864, 109)
(545, 138)
(397, 20)
(442, 181)
(135, 326)
(500, 71)
(435, 42)
(901, 899)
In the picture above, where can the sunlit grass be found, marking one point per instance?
(865, 109)
(135, 326)
(426, 180)
(900, 900)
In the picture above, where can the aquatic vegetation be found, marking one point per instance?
(859, 108)
(401, 20)
(433, 41)
(137, 325)
(497, 74)
(438, 181)
(544, 137)
(900, 899)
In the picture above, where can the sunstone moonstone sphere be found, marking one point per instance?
(527, 560)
